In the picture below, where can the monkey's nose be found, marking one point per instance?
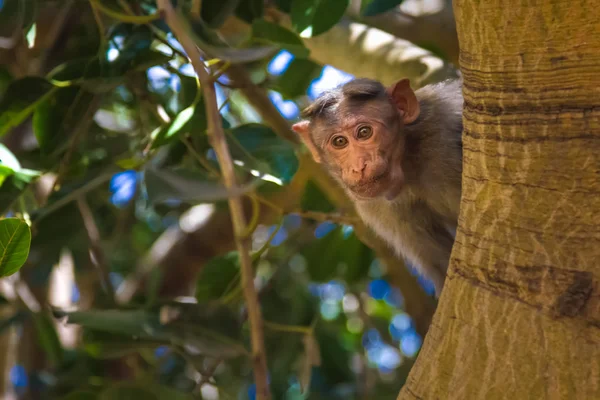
(360, 168)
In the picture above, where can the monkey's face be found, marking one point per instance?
(357, 132)
(365, 156)
(362, 148)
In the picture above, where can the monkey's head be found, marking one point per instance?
(356, 130)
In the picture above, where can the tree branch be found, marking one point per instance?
(361, 50)
(428, 30)
(217, 137)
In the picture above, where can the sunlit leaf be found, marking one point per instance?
(8, 159)
(13, 178)
(185, 185)
(314, 17)
(370, 8)
(192, 118)
(20, 100)
(273, 33)
(15, 239)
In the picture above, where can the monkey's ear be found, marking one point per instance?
(301, 128)
(406, 101)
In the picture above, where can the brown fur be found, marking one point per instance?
(405, 180)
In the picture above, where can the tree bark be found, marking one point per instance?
(361, 50)
(432, 30)
(519, 317)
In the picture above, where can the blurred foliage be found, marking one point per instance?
(106, 155)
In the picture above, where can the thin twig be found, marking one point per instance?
(243, 244)
(98, 256)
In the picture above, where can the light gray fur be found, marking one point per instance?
(420, 224)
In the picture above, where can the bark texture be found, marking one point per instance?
(519, 317)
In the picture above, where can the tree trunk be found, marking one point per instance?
(519, 317)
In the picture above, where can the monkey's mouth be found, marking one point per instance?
(372, 186)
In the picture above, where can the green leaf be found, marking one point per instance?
(56, 118)
(249, 10)
(314, 17)
(313, 199)
(10, 190)
(276, 34)
(173, 129)
(48, 338)
(217, 276)
(335, 358)
(15, 239)
(210, 328)
(369, 8)
(105, 350)
(297, 78)
(186, 185)
(214, 13)
(17, 15)
(337, 254)
(20, 100)
(263, 150)
(5, 79)
(140, 323)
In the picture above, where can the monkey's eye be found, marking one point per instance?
(339, 142)
(364, 132)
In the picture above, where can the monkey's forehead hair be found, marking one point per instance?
(360, 89)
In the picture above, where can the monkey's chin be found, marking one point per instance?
(376, 191)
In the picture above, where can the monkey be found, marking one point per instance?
(397, 154)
